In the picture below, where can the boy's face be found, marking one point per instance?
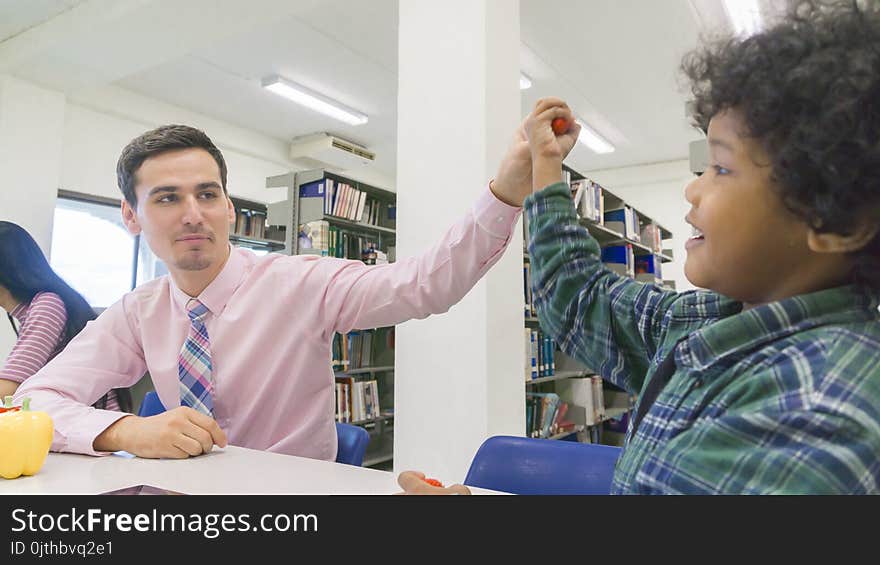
(182, 210)
(752, 248)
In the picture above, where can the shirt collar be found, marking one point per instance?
(219, 291)
(738, 334)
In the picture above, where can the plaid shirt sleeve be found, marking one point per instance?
(611, 323)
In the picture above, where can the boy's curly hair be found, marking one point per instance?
(809, 91)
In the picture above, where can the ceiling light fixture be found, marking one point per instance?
(313, 100)
(524, 81)
(745, 15)
(589, 137)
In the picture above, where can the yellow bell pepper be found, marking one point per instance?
(25, 438)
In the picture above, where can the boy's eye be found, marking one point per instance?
(720, 170)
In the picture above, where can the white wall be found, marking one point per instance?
(31, 125)
(658, 191)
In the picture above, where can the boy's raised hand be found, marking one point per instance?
(548, 149)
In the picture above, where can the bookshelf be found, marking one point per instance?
(330, 215)
(596, 411)
(250, 228)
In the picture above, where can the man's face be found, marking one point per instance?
(750, 246)
(182, 210)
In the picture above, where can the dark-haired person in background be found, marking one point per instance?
(48, 311)
(769, 381)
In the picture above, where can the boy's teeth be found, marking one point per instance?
(696, 233)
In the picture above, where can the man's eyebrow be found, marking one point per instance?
(158, 189)
(209, 184)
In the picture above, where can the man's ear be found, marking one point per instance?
(829, 242)
(129, 217)
(230, 210)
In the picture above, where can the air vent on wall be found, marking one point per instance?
(322, 150)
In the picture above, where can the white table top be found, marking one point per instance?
(233, 470)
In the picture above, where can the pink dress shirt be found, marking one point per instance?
(271, 324)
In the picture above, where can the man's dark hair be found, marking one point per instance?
(809, 92)
(160, 140)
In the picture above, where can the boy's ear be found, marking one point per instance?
(829, 242)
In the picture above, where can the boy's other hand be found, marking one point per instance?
(175, 434)
(413, 482)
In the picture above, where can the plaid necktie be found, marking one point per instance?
(194, 362)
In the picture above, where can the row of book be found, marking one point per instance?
(530, 310)
(589, 201)
(545, 415)
(250, 223)
(540, 354)
(360, 349)
(323, 238)
(356, 400)
(622, 260)
(344, 201)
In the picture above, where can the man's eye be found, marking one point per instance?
(721, 170)
(209, 195)
(166, 198)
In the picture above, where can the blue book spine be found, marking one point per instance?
(312, 189)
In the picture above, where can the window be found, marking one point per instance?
(91, 250)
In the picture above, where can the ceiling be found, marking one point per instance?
(614, 61)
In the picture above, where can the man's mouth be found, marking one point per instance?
(194, 237)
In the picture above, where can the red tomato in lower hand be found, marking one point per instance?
(559, 125)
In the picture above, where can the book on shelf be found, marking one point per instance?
(250, 223)
(620, 259)
(647, 269)
(342, 200)
(624, 220)
(589, 200)
(543, 407)
(652, 236)
(540, 355)
(356, 400)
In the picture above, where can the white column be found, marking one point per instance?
(459, 376)
(31, 132)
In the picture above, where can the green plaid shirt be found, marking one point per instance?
(781, 398)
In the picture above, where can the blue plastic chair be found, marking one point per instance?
(351, 444)
(351, 440)
(151, 405)
(521, 465)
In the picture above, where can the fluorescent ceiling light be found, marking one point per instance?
(593, 140)
(313, 100)
(745, 15)
(524, 81)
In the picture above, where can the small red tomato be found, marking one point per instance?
(433, 482)
(559, 125)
